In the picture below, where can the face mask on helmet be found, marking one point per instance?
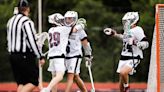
(56, 19)
(129, 20)
(126, 25)
(70, 18)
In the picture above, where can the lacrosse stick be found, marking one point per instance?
(112, 32)
(88, 65)
(40, 41)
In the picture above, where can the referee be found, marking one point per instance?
(23, 49)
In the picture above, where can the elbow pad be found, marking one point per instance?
(87, 49)
(143, 45)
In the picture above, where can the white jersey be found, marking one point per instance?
(58, 40)
(137, 34)
(75, 41)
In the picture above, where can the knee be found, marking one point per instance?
(59, 77)
(123, 73)
(76, 77)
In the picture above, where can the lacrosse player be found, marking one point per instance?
(58, 40)
(134, 41)
(74, 55)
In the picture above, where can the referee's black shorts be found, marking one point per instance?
(25, 68)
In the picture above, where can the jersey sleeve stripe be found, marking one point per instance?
(84, 38)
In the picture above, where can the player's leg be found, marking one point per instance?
(54, 89)
(70, 66)
(121, 84)
(70, 77)
(124, 74)
(55, 80)
(77, 78)
(123, 70)
(56, 65)
(28, 88)
(80, 83)
(73, 67)
(19, 88)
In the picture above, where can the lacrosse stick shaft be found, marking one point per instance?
(45, 53)
(40, 77)
(91, 78)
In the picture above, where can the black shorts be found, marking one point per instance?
(25, 68)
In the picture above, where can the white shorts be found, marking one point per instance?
(57, 65)
(73, 65)
(129, 63)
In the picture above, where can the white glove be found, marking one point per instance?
(143, 45)
(109, 31)
(88, 61)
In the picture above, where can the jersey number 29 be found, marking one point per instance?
(54, 39)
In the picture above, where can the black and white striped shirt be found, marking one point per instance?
(21, 35)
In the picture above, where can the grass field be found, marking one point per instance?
(100, 87)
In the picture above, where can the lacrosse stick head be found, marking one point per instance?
(57, 19)
(109, 31)
(41, 39)
(82, 21)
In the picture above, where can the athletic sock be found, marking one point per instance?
(45, 90)
(126, 84)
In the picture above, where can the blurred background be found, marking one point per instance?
(99, 15)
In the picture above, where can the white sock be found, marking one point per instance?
(45, 90)
(126, 85)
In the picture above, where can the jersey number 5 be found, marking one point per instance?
(54, 39)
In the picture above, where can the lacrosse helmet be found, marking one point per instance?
(70, 18)
(56, 19)
(129, 19)
(132, 17)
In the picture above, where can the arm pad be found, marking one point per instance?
(143, 45)
(87, 49)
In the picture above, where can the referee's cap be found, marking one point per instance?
(23, 3)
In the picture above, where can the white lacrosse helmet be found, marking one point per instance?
(70, 18)
(132, 17)
(57, 19)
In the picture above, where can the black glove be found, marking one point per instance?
(68, 48)
(129, 47)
